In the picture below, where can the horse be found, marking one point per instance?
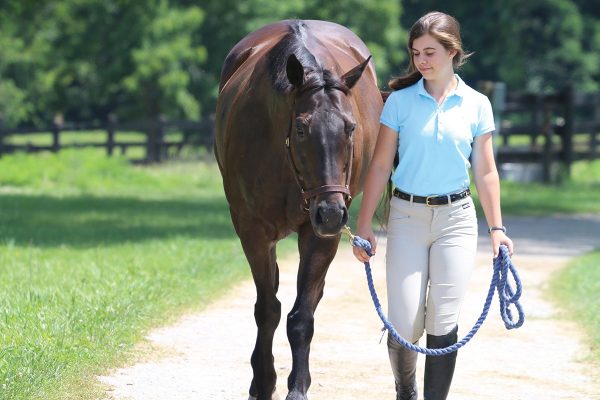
(296, 123)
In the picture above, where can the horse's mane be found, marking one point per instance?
(316, 77)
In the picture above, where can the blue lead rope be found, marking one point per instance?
(502, 265)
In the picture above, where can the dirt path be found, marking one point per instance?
(206, 355)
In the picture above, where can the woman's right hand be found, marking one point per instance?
(360, 253)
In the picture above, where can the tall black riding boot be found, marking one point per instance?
(404, 366)
(439, 369)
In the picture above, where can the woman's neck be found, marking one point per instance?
(439, 88)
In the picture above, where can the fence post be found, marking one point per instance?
(56, 125)
(206, 131)
(567, 138)
(535, 125)
(110, 134)
(595, 129)
(498, 101)
(155, 142)
(1, 136)
(547, 155)
(160, 138)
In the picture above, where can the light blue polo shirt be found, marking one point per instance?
(435, 142)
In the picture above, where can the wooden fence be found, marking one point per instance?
(156, 142)
(555, 128)
(550, 129)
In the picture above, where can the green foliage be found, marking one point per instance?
(538, 45)
(163, 62)
(88, 58)
(85, 59)
(376, 22)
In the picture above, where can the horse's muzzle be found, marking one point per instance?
(328, 214)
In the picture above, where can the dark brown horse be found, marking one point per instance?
(296, 126)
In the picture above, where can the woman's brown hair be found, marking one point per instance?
(446, 30)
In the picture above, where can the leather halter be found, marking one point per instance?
(307, 194)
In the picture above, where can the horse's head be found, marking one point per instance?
(320, 141)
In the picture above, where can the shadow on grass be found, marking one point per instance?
(87, 221)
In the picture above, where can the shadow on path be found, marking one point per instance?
(87, 221)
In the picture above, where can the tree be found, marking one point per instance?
(553, 31)
(539, 45)
(85, 59)
(165, 62)
(20, 60)
(377, 22)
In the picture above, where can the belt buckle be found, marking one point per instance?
(427, 201)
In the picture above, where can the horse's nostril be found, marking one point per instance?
(331, 215)
(344, 216)
(325, 215)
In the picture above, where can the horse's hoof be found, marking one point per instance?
(295, 395)
(274, 396)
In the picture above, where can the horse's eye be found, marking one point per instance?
(300, 128)
(350, 128)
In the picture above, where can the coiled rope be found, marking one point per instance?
(506, 294)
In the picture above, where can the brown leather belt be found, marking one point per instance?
(433, 201)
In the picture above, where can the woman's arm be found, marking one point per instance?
(487, 183)
(377, 177)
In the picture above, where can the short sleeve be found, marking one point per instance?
(389, 114)
(486, 118)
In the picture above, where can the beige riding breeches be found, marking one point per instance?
(430, 256)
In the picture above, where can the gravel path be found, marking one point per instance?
(206, 355)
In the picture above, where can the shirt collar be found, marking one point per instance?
(458, 91)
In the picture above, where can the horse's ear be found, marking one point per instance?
(351, 77)
(295, 71)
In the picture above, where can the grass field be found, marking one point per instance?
(576, 289)
(94, 252)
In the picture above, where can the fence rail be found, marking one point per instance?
(156, 143)
(561, 127)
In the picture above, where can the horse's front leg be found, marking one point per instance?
(315, 256)
(260, 252)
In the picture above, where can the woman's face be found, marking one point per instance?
(431, 58)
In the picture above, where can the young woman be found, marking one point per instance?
(435, 123)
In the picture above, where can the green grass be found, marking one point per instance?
(93, 253)
(576, 290)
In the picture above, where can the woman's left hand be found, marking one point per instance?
(499, 238)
